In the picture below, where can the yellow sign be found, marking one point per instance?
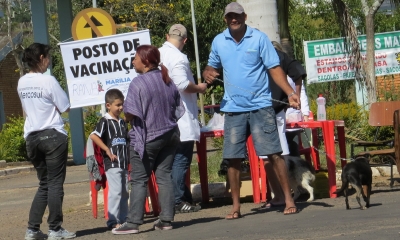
(92, 23)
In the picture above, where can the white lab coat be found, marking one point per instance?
(179, 71)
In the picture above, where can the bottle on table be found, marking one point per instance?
(321, 111)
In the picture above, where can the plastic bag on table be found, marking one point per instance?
(215, 123)
(294, 117)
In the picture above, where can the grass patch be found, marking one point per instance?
(213, 162)
(322, 156)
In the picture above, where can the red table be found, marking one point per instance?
(328, 136)
(257, 170)
(329, 142)
(202, 163)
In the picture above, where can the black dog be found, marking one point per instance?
(358, 174)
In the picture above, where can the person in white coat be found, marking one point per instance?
(179, 71)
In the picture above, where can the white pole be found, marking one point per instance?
(196, 49)
(94, 4)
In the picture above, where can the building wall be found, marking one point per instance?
(8, 86)
(388, 87)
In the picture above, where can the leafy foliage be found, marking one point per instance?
(91, 119)
(13, 146)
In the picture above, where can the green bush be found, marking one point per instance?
(355, 118)
(13, 146)
(91, 118)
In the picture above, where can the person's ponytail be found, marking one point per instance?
(151, 56)
(164, 74)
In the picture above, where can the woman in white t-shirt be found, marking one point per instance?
(43, 101)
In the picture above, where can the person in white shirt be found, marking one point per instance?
(304, 112)
(297, 115)
(43, 101)
(179, 71)
(294, 70)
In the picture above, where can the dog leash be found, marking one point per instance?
(253, 93)
(275, 100)
(323, 152)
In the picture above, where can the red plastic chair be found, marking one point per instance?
(152, 185)
(153, 190)
(94, 194)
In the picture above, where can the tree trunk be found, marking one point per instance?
(14, 48)
(283, 21)
(263, 15)
(370, 58)
(18, 60)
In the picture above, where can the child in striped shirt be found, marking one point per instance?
(111, 136)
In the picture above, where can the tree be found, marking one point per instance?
(263, 15)
(17, 14)
(283, 21)
(365, 70)
(315, 20)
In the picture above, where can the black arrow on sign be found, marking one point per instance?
(96, 23)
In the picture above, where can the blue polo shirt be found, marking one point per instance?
(245, 67)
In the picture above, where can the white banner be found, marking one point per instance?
(96, 65)
(326, 60)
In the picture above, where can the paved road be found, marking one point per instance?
(321, 219)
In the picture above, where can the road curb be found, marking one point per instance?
(11, 171)
(16, 167)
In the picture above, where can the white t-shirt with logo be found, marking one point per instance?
(43, 100)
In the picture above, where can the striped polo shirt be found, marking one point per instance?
(113, 133)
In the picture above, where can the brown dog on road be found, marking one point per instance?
(358, 174)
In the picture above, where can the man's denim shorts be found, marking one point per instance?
(261, 124)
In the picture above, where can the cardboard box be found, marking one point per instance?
(246, 186)
(321, 185)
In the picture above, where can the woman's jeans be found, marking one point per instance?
(48, 152)
(158, 157)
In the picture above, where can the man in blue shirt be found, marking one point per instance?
(246, 54)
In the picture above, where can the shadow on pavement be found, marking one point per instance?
(91, 231)
(394, 189)
(300, 206)
(194, 221)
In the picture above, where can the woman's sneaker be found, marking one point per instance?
(160, 225)
(126, 228)
(60, 234)
(185, 207)
(34, 235)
